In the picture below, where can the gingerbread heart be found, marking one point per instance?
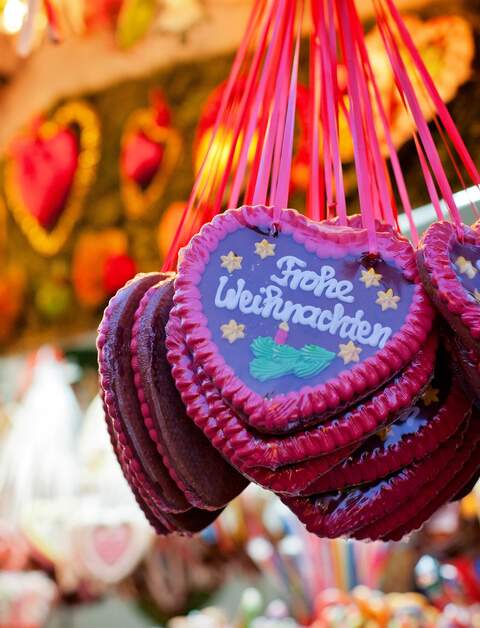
(48, 174)
(449, 263)
(465, 361)
(163, 502)
(294, 322)
(116, 377)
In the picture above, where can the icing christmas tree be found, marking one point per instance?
(274, 358)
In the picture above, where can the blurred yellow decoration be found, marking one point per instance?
(218, 155)
(168, 226)
(49, 242)
(469, 506)
(135, 19)
(139, 200)
(13, 14)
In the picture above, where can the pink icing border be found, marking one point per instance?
(327, 241)
(313, 512)
(442, 282)
(231, 437)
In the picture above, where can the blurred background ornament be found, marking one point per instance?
(37, 456)
(49, 172)
(101, 265)
(168, 225)
(27, 599)
(135, 19)
(218, 153)
(149, 153)
(12, 295)
(178, 16)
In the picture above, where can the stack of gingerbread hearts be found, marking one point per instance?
(449, 263)
(178, 478)
(308, 364)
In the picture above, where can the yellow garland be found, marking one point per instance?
(42, 240)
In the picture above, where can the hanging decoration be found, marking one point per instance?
(150, 150)
(305, 349)
(48, 174)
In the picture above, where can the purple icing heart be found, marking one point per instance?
(294, 325)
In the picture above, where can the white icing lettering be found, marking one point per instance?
(294, 277)
(270, 303)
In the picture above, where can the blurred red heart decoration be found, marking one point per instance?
(48, 173)
(44, 169)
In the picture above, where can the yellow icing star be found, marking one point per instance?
(370, 278)
(349, 352)
(430, 396)
(466, 267)
(387, 300)
(232, 331)
(231, 262)
(383, 433)
(476, 294)
(265, 249)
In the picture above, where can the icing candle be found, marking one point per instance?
(282, 333)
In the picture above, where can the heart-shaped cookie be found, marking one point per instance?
(449, 263)
(465, 361)
(49, 173)
(116, 379)
(294, 323)
(163, 502)
(149, 154)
